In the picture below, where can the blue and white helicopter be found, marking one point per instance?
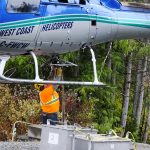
(43, 27)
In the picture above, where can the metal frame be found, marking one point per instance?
(5, 58)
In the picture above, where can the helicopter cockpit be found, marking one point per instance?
(24, 6)
(28, 6)
(112, 4)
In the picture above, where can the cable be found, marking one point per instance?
(110, 48)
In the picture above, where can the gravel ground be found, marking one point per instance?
(19, 145)
(36, 145)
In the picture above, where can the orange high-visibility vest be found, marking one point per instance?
(49, 100)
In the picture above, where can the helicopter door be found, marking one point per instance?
(81, 24)
(19, 23)
(54, 34)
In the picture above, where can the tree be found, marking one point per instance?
(126, 92)
(147, 123)
(137, 86)
(141, 92)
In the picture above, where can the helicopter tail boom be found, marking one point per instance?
(132, 23)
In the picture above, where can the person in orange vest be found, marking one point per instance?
(49, 101)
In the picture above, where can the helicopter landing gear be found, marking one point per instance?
(37, 79)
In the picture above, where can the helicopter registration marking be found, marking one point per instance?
(14, 44)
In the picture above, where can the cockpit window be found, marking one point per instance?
(82, 2)
(113, 4)
(23, 6)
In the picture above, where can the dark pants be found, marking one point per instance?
(53, 118)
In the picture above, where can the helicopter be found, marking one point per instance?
(52, 27)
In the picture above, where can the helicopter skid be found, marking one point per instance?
(37, 79)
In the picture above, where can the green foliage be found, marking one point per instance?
(14, 109)
(144, 49)
(127, 46)
(108, 101)
(77, 110)
(20, 67)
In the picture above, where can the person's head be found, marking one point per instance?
(39, 87)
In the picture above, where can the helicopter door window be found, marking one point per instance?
(82, 2)
(63, 1)
(23, 6)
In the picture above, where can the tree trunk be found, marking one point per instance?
(145, 136)
(140, 100)
(137, 87)
(126, 92)
(143, 120)
(147, 127)
(114, 82)
(114, 75)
